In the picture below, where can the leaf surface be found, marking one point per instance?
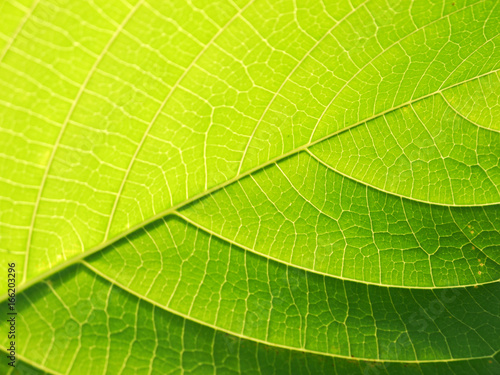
(252, 186)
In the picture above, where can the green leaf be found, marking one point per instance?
(251, 186)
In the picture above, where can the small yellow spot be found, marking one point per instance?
(44, 159)
(471, 232)
(475, 286)
(469, 226)
(479, 260)
(481, 264)
(473, 248)
(479, 273)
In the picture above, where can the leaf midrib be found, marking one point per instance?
(240, 11)
(196, 197)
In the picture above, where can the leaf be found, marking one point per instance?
(252, 186)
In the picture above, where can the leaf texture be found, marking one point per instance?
(252, 186)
